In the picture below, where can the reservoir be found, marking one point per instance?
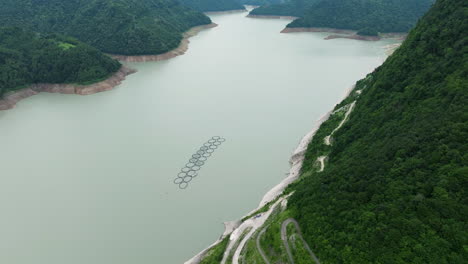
(90, 179)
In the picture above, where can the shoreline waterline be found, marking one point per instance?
(346, 33)
(233, 11)
(295, 161)
(272, 17)
(180, 50)
(10, 99)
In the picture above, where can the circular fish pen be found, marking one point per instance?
(196, 161)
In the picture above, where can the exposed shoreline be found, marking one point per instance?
(296, 161)
(233, 11)
(345, 33)
(180, 50)
(10, 99)
(272, 17)
(355, 36)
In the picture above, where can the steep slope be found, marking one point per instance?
(385, 178)
(394, 188)
(27, 58)
(213, 5)
(127, 27)
(369, 16)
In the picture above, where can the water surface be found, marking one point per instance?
(89, 179)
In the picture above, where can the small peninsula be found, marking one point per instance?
(32, 62)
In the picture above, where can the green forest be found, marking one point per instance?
(288, 8)
(376, 15)
(395, 185)
(126, 27)
(366, 16)
(27, 57)
(213, 5)
(260, 2)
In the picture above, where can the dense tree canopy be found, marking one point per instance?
(128, 27)
(212, 5)
(260, 2)
(377, 15)
(27, 57)
(395, 187)
(287, 8)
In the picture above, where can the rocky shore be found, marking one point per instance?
(180, 50)
(10, 99)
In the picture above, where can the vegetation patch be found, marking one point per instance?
(65, 45)
(27, 58)
(215, 254)
(236, 245)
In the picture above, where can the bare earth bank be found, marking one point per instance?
(180, 50)
(10, 99)
(344, 33)
(225, 12)
(273, 17)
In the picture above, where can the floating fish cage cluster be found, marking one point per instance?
(197, 160)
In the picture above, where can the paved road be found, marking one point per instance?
(284, 237)
(259, 248)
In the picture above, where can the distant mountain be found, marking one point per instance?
(213, 5)
(260, 2)
(27, 57)
(287, 8)
(126, 27)
(365, 15)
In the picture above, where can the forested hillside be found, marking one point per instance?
(394, 188)
(212, 5)
(27, 57)
(127, 27)
(260, 2)
(365, 15)
(288, 8)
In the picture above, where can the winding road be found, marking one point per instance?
(259, 248)
(284, 237)
(327, 139)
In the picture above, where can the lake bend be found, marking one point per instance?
(90, 179)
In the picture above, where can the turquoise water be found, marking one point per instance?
(89, 179)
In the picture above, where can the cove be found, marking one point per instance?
(90, 179)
